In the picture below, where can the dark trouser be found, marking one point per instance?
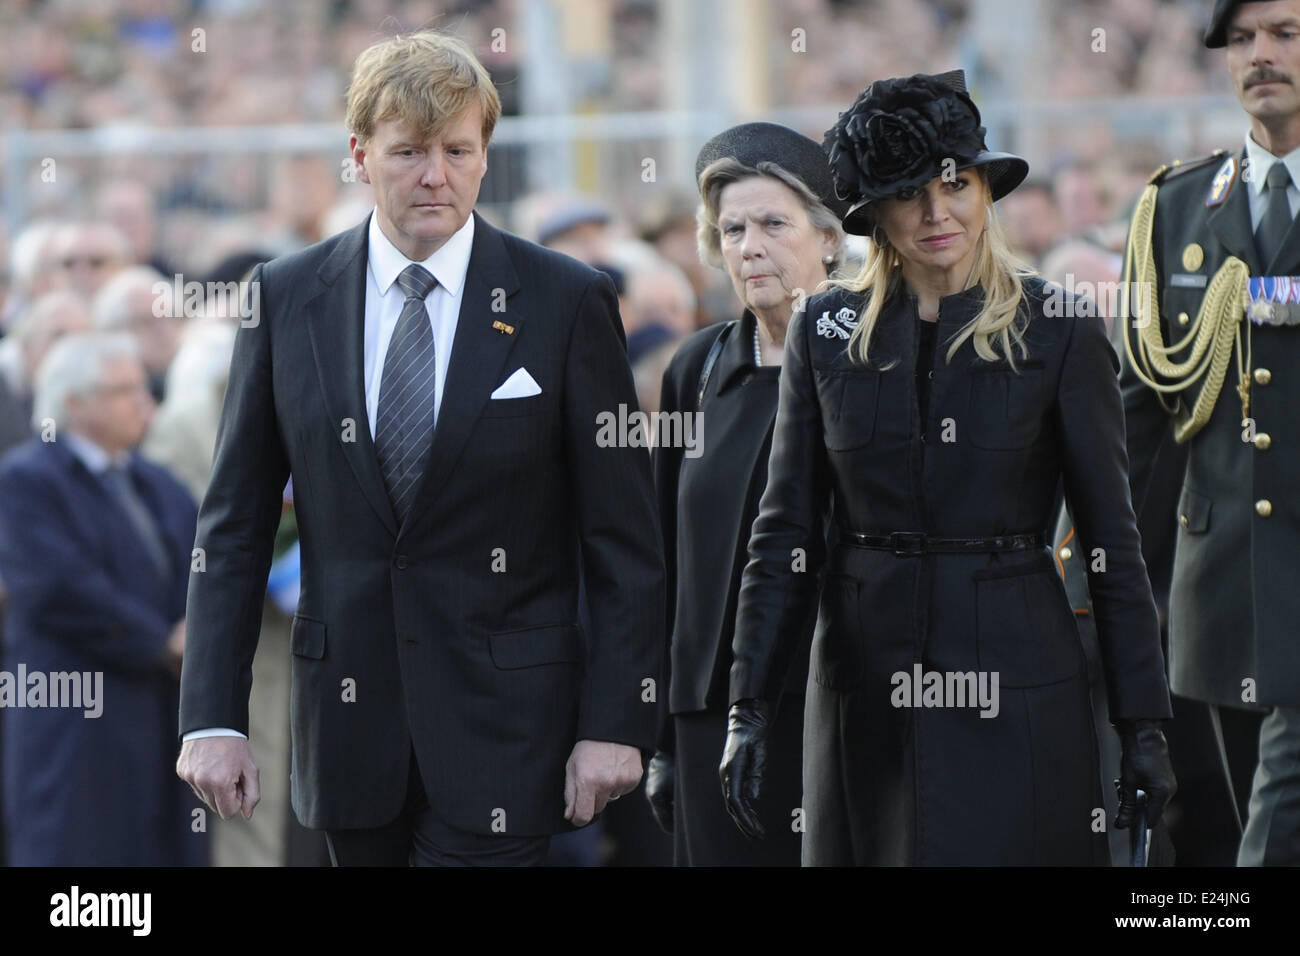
(704, 833)
(419, 838)
(1238, 735)
(1202, 817)
(1272, 836)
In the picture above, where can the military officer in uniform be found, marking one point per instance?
(1211, 354)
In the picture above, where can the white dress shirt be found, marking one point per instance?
(1261, 161)
(384, 301)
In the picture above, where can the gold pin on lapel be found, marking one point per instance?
(503, 328)
(1193, 257)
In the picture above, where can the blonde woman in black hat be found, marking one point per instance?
(930, 406)
(769, 216)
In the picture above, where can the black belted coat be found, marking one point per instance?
(886, 783)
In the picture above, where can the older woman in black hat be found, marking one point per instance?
(770, 217)
(930, 406)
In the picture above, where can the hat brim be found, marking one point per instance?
(1006, 172)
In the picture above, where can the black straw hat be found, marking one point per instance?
(754, 143)
(901, 133)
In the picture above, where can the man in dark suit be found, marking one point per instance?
(433, 385)
(94, 552)
(1215, 241)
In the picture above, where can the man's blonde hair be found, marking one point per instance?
(427, 79)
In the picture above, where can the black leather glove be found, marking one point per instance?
(743, 761)
(660, 788)
(1144, 766)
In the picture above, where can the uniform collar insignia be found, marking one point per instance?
(1222, 183)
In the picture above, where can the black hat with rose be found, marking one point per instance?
(901, 133)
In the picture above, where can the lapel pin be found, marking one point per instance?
(503, 328)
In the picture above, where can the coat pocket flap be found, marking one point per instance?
(307, 638)
(1194, 512)
(532, 646)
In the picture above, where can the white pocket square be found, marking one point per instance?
(518, 385)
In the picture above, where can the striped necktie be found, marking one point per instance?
(404, 420)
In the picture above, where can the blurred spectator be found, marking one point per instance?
(129, 206)
(31, 270)
(184, 431)
(1085, 268)
(303, 191)
(660, 294)
(95, 555)
(139, 300)
(668, 224)
(1030, 220)
(578, 228)
(648, 370)
(51, 317)
(1080, 200)
(85, 255)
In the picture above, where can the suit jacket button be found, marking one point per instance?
(1263, 507)
(1263, 376)
(1263, 440)
(1066, 554)
(1183, 520)
(402, 563)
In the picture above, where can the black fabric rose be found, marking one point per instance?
(897, 135)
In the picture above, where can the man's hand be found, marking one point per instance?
(597, 772)
(221, 771)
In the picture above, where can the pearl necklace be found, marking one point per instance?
(758, 351)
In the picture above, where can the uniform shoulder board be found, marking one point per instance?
(1178, 166)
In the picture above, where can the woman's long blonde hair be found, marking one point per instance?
(997, 269)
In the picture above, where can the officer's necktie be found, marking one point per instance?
(1276, 222)
(404, 420)
(138, 512)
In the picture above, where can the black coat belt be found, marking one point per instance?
(917, 542)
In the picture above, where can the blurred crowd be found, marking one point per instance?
(106, 242)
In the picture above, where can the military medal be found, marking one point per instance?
(1193, 257)
(1273, 300)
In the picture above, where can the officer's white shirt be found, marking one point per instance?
(1259, 162)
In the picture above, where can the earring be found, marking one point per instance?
(827, 260)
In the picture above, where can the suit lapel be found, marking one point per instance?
(1231, 223)
(337, 326)
(477, 360)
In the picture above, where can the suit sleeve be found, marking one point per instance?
(614, 500)
(776, 590)
(1090, 417)
(44, 556)
(236, 531)
(667, 462)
